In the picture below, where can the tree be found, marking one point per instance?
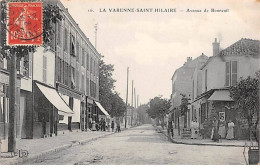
(158, 108)
(118, 106)
(142, 115)
(184, 104)
(106, 84)
(246, 97)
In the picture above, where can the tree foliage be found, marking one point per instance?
(109, 99)
(106, 84)
(158, 107)
(118, 106)
(246, 97)
(184, 104)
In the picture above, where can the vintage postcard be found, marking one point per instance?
(129, 82)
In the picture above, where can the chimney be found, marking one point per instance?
(215, 47)
(189, 59)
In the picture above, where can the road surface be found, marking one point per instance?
(142, 145)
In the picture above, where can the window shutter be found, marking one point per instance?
(234, 72)
(227, 74)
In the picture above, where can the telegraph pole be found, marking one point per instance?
(132, 102)
(12, 103)
(135, 98)
(137, 101)
(126, 102)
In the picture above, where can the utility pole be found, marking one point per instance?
(137, 101)
(12, 104)
(96, 28)
(132, 102)
(135, 98)
(126, 102)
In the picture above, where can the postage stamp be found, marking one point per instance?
(25, 23)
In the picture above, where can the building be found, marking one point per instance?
(221, 71)
(182, 85)
(57, 86)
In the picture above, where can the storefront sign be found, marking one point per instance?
(222, 116)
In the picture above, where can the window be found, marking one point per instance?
(77, 79)
(59, 33)
(72, 45)
(65, 40)
(87, 61)
(94, 67)
(44, 68)
(77, 51)
(82, 84)
(227, 73)
(231, 73)
(73, 84)
(57, 71)
(65, 73)
(91, 64)
(83, 57)
(87, 86)
(62, 70)
(206, 80)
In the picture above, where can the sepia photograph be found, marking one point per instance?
(129, 82)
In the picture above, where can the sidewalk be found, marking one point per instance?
(224, 142)
(40, 147)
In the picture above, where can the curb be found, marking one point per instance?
(194, 143)
(51, 151)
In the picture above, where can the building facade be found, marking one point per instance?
(182, 84)
(57, 86)
(222, 70)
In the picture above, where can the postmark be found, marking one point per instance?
(25, 23)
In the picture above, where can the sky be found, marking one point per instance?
(154, 44)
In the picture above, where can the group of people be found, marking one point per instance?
(220, 130)
(102, 125)
(117, 126)
(99, 125)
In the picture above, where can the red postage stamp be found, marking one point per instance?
(25, 23)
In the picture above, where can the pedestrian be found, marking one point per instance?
(104, 125)
(230, 132)
(222, 128)
(170, 129)
(118, 126)
(112, 126)
(214, 132)
(194, 129)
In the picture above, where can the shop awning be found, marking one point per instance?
(55, 99)
(102, 109)
(220, 95)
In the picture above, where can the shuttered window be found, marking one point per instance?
(231, 73)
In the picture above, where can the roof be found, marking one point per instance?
(191, 64)
(243, 47)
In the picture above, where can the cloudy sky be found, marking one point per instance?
(153, 45)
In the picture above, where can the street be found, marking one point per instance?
(142, 145)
